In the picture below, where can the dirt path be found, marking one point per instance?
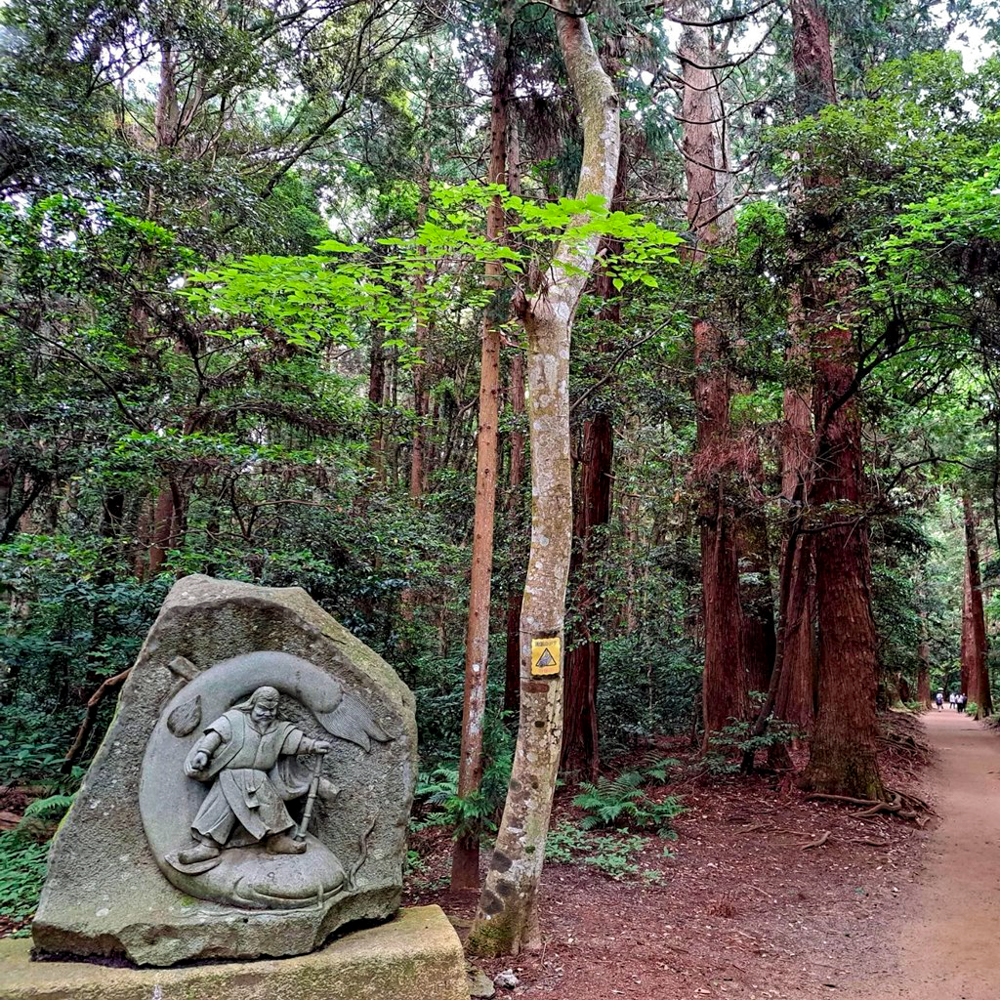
(944, 943)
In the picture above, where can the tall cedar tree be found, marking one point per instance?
(515, 476)
(843, 756)
(465, 859)
(975, 671)
(796, 691)
(711, 220)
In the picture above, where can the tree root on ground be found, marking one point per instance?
(899, 804)
(902, 741)
(818, 842)
(814, 840)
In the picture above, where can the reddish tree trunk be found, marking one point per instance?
(580, 749)
(843, 758)
(580, 740)
(724, 683)
(843, 755)
(843, 752)
(710, 217)
(166, 525)
(465, 858)
(512, 675)
(796, 696)
(756, 599)
(975, 670)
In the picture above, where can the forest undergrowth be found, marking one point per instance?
(759, 892)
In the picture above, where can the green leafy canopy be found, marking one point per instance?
(344, 288)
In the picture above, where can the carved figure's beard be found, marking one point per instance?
(262, 724)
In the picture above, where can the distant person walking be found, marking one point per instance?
(962, 701)
(952, 699)
(940, 701)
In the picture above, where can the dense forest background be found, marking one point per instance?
(248, 273)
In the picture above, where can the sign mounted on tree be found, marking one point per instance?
(545, 655)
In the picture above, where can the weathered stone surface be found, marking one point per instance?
(479, 984)
(110, 888)
(416, 956)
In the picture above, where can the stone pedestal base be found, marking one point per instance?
(416, 956)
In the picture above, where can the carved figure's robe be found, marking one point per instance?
(252, 781)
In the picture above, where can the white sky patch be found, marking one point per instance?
(970, 41)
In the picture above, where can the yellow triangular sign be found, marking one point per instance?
(545, 656)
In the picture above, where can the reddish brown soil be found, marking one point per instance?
(742, 909)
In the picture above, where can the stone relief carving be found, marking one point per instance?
(227, 808)
(244, 754)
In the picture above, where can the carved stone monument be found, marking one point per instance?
(251, 796)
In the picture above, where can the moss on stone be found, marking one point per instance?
(416, 956)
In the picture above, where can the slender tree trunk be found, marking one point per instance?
(465, 858)
(966, 655)
(756, 599)
(515, 505)
(162, 533)
(580, 753)
(628, 517)
(580, 749)
(166, 117)
(418, 465)
(376, 397)
(512, 678)
(975, 669)
(924, 668)
(796, 697)
(167, 113)
(507, 916)
(710, 217)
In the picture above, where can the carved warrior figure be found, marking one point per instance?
(246, 751)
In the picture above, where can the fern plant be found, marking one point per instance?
(659, 770)
(622, 801)
(49, 809)
(22, 872)
(478, 813)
